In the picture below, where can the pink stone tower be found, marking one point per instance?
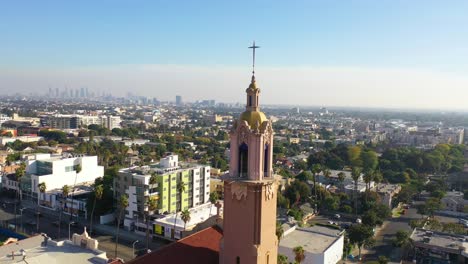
(250, 189)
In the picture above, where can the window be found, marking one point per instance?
(237, 260)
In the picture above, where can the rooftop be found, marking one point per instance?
(198, 215)
(199, 248)
(51, 253)
(445, 241)
(315, 239)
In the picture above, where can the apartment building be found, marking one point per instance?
(163, 180)
(77, 121)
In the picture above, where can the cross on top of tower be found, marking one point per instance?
(253, 47)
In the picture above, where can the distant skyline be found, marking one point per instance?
(397, 54)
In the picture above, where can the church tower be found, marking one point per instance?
(249, 226)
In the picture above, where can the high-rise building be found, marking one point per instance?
(250, 189)
(178, 100)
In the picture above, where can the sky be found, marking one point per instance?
(386, 53)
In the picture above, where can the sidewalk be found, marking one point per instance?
(109, 230)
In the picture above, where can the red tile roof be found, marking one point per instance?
(199, 248)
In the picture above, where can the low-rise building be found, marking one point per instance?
(454, 201)
(387, 191)
(321, 244)
(438, 247)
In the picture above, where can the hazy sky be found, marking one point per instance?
(410, 54)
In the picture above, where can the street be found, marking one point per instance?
(48, 224)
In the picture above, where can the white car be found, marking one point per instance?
(359, 221)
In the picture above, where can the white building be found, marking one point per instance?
(25, 139)
(321, 244)
(4, 118)
(56, 171)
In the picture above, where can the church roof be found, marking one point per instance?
(199, 248)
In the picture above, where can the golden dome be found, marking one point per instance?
(253, 118)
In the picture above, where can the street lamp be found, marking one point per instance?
(69, 232)
(133, 247)
(21, 219)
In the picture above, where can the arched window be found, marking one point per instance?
(250, 100)
(237, 260)
(243, 160)
(266, 161)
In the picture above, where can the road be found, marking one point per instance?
(27, 224)
(386, 233)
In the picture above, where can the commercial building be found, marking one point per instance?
(164, 181)
(438, 247)
(55, 171)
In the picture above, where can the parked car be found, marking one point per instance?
(337, 216)
(358, 220)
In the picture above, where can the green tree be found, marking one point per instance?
(299, 254)
(123, 203)
(213, 199)
(402, 239)
(369, 160)
(98, 192)
(360, 235)
(282, 259)
(354, 156)
(383, 260)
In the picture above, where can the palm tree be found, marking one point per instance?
(123, 203)
(19, 173)
(77, 170)
(152, 206)
(279, 231)
(315, 170)
(213, 199)
(355, 174)
(65, 192)
(98, 192)
(42, 189)
(368, 177)
(299, 254)
(341, 177)
(180, 189)
(185, 216)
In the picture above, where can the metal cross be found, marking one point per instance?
(253, 47)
